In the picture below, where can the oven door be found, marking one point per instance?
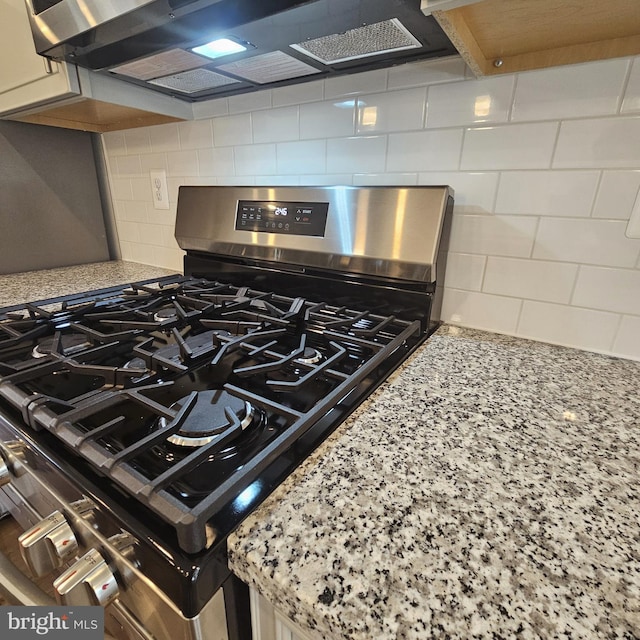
(43, 515)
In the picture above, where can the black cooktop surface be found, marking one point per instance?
(193, 397)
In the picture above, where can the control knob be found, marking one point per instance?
(51, 542)
(11, 460)
(48, 544)
(90, 580)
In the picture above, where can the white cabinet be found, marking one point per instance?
(269, 624)
(27, 79)
(34, 89)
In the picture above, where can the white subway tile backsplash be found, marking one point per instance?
(140, 189)
(137, 141)
(627, 342)
(480, 310)
(475, 192)
(127, 249)
(616, 194)
(144, 253)
(183, 163)
(373, 179)
(465, 271)
(366, 153)
(608, 289)
(515, 146)
(298, 93)
(573, 91)
(395, 111)
(631, 101)
(195, 134)
(424, 150)
(427, 72)
(238, 181)
(569, 326)
(121, 189)
(199, 181)
(279, 180)
(255, 159)
(165, 217)
(493, 235)
(276, 125)
(232, 130)
(531, 279)
(603, 142)
(164, 137)
(327, 179)
(168, 237)
(541, 201)
(128, 166)
(210, 108)
(467, 103)
(368, 82)
(304, 156)
(547, 193)
(327, 119)
(246, 102)
(170, 258)
(215, 162)
(129, 230)
(153, 234)
(152, 162)
(114, 144)
(586, 241)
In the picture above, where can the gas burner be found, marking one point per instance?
(70, 343)
(310, 356)
(136, 363)
(162, 315)
(208, 419)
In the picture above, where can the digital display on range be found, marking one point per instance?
(294, 218)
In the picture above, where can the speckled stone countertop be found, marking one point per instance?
(17, 288)
(489, 489)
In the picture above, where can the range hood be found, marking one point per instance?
(203, 49)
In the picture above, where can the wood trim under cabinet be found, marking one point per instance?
(96, 116)
(535, 34)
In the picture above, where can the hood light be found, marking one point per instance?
(218, 48)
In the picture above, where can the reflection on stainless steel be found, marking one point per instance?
(404, 244)
(162, 619)
(71, 17)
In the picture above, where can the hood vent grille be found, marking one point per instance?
(193, 81)
(370, 40)
(269, 67)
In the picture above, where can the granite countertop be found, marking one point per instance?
(489, 489)
(17, 288)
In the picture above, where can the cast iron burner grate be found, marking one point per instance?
(128, 381)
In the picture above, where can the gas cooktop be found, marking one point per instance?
(145, 421)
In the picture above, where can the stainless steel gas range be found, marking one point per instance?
(140, 424)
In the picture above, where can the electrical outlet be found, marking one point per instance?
(159, 189)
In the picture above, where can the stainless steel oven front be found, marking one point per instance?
(65, 532)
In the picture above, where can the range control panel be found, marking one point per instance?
(293, 218)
